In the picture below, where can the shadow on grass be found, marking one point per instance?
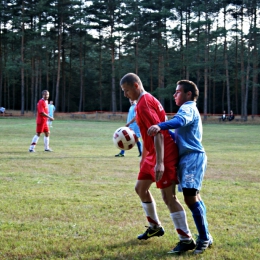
(134, 250)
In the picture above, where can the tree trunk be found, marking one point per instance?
(81, 75)
(226, 64)
(58, 65)
(36, 96)
(32, 85)
(255, 64)
(113, 88)
(1, 66)
(22, 65)
(100, 74)
(242, 68)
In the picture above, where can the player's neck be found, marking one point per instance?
(142, 92)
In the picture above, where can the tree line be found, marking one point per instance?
(79, 50)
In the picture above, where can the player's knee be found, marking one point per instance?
(190, 196)
(169, 200)
(137, 189)
(141, 191)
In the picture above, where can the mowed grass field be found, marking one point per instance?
(79, 201)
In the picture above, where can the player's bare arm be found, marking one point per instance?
(159, 148)
(130, 122)
(44, 114)
(153, 130)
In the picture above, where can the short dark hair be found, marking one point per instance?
(189, 86)
(130, 79)
(44, 91)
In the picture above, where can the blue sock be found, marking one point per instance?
(139, 145)
(122, 152)
(204, 213)
(199, 216)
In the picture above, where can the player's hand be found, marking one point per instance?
(159, 170)
(153, 130)
(51, 119)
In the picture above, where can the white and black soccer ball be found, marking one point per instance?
(124, 138)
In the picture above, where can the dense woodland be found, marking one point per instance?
(79, 50)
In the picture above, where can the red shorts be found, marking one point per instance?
(42, 128)
(169, 176)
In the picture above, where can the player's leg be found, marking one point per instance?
(35, 139)
(149, 207)
(177, 212)
(179, 219)
(193, 199)
(47, 139)
(49, 122)
(139, 146)
(121, 154)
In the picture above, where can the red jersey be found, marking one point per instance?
(149, 111)
(42, 106)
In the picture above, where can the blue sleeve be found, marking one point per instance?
(174, 123)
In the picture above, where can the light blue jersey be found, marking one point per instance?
(130, 116)
(51, 109)
(189, 136)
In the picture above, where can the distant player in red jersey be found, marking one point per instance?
(158, 163)
(42, 123)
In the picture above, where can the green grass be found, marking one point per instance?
(79, 201)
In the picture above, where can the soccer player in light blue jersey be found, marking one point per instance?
(51, 108)
(131, 123)
(193, 160)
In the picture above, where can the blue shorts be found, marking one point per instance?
(191, 170)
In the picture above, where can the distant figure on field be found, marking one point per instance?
(41, 121)
(51, 108)
(224, 117)
(2, 110)
(231, 116)
(131, 123)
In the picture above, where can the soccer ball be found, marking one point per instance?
(124, 138)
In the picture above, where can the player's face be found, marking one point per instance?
(180, 97)
(46, 95)
(131, 92)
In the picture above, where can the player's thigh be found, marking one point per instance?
(145, 178)
(191, 170)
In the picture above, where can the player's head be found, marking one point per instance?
(185, 91)
(132, 86)
(51, 102)
(45, 94)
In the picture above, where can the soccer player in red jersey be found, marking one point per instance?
(158, 163)
(42, 123)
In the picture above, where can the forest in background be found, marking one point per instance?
(79, 50)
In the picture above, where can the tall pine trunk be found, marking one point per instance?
(255, 63)
(242, 68)
(58, 64)
(22, 64)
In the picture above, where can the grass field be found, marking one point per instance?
(79, 201)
